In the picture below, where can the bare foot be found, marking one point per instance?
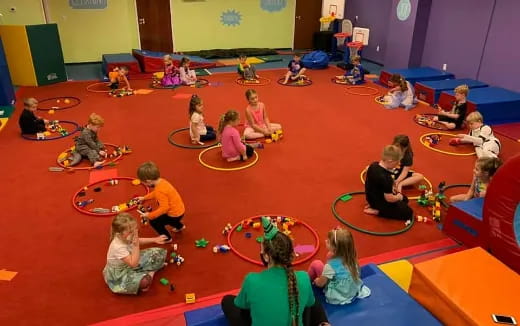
(98, 164)
(232, 159)
(370, 211)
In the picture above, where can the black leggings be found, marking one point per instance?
(159, 224)
(397, 211)
(210, 134)
(312, 316)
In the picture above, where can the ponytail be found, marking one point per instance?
(194, 101)
(292, 293)
(399, 80)
(226, 118)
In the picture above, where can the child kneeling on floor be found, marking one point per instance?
(382, 196)
(171, 207)
(480, 135)
(340, 275)
(88, 144)
(233, 149)
(129, 269)
(485, 169)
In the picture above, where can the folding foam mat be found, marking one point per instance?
(429, 91)
(414, 75)
(234, 62)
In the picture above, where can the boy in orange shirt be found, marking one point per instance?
(171, 207)
(118, 76)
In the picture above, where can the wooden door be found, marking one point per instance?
(155, 27)
(306, 22)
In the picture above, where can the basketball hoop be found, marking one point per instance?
(342, 38)
(325, 22)
(354, 49)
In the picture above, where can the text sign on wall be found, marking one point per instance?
(88, 4)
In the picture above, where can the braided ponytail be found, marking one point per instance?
(293, 294)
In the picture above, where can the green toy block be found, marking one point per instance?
(260, 239)
(173, 254)
(239, 228)
(346, 198)
(201, 243)
(164, 281)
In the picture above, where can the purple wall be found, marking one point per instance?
(456, 35)
(374, 15)
(400, 37)
(500, 64)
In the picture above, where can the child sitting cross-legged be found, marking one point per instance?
(29, 122)
(88, 144)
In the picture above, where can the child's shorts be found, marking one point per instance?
(114, 85)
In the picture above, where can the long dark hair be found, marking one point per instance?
(404, 143)
(280, 250)
(226, 118)
(399, 80)
(194, 101)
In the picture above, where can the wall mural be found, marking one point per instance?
(404, 8)
(273, 5)
(88, 4)
(230, 17)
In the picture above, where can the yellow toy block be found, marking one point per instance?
(268, 141)
(63, 156)
(274, 137)
(46, 133)
(136, 182)
(122, 207)
(279, 132)
(190, 297)
(256, 225)
(66, 163)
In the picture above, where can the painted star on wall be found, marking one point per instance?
(231, 18)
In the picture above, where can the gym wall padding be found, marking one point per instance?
(34, 54)
(18, 54)
(44, 41)
(7, 95)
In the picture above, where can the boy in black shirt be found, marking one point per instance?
(381, 194)
(29, 122)
(455, 118)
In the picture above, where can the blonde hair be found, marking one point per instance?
(30, 101)
(399, 80)
(489, 165)
(342, 244)
(121, 223)
(167, 57)
(391, 152)
(227, 118)
(462, 89)
(475, 117)
(356, 58)
(96, 120)
(148, 171)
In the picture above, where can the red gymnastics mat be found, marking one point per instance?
(509, 130)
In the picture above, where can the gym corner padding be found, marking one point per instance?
(464, 222)
(7, 95)
(34, 54)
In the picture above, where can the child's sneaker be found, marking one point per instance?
(179, 230)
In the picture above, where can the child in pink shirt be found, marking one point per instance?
(257, 121)
(232, 147)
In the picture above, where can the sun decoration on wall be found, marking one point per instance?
(273, 5)
(230, 17)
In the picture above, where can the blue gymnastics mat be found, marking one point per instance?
(473, 207)
(388, 305)
(429, 91)
(497, 105)
(414, 75)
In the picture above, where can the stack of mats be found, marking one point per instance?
(153, 61)
(110, 61)
(464, 222)
(414, 75)
(497, 105)
(466, 288)
(429, 91)
(234, 62)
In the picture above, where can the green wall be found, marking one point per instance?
(196, 25)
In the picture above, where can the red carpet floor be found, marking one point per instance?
(330, 136)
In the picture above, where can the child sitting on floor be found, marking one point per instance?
(401, 93)
(171, 207)
(232, 147)
(188, 76)
(404, 176)
(171, 73)
(296, 69)
(257, 122)
(246, 70)
(480, 135)
(354, 76)
(31, 124)
(485, 169)
(454, 118)
(380, 189)
(199, 131)
(118, 76)
(88, 144)
(340, 275)
(129, 269)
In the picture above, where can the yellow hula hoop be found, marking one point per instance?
(380, 102)
(253, 162)
(351, 88)
(411, 198)
(421, 139)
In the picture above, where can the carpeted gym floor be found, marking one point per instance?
(330, 136)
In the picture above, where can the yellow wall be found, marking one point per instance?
(28, 12)
(86, 34)
(18, 54)
(196, 25)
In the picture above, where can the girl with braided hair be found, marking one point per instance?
(277, 295)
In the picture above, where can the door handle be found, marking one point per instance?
(141, 21)
(298, 17)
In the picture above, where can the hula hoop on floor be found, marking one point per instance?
(201, 82)
(357, 228)
(91, 88)
(170, 140)
(160, 86)
(352, 90)
(339, 81)
(381, 100)
(87, 168)
(421, 139)
(76, 129)
(83, 211)
(258, 262)
(363, 173)
(75, 102)
(295, 83)
(260, 81)
(250, 164)
(424, 120)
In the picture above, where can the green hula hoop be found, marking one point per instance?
(352, 226)
(456, 185)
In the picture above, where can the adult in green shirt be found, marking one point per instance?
(277, 296)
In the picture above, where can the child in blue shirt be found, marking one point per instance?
(354, 76)
(340, 275)
(296, 69)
